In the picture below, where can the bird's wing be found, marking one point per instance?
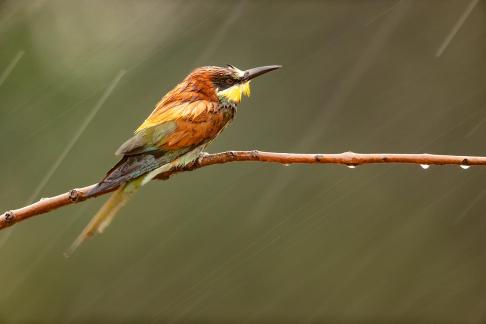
(173, 126)
(147, 139)
(152, 134)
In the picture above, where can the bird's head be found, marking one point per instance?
(230, 83)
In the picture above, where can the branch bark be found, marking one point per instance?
(348, 158)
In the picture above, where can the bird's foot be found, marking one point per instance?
(201, 156)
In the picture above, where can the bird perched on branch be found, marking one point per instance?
(180, 127)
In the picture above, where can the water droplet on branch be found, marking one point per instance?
(351, 166)
(465, 167)
(425, 166)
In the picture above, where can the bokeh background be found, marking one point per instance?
(248, 242)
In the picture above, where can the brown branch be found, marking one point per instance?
(348, 158)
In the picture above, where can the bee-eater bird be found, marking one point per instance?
(177, 131)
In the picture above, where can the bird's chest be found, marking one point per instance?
(219, 119)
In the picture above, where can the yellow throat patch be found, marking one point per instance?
(235, 93)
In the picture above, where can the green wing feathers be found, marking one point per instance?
(131, 167)
(147, 140)
(141, 154)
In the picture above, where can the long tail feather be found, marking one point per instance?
(103, 217)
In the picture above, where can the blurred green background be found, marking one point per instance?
(248, 242)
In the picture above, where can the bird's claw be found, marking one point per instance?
(203, 154)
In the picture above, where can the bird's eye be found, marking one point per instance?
(230, 81)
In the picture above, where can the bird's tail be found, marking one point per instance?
(106, 214)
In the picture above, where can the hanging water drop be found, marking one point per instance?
(351, 166)
(465, 167)
(286, 164)
(425, 166)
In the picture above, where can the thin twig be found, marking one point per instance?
(348, 158)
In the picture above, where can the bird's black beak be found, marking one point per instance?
(253, 73)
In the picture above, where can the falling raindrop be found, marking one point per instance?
(425, 166)
(465, 167)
